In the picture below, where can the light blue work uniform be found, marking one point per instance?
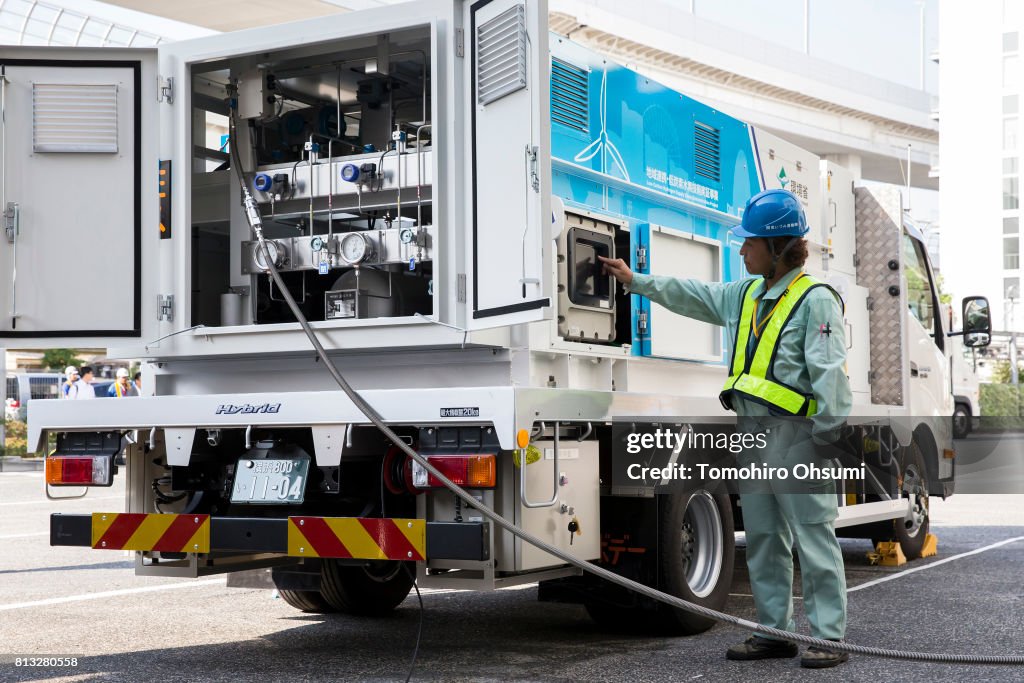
(810, 358)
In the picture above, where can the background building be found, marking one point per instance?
(980, 123)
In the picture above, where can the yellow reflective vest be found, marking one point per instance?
(750, 374)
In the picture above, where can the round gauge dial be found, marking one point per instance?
(275, 251)
(355, 248)
(405, 235)
(316, 244)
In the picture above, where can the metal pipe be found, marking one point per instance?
(312, 192)
(419, 174)
(526, 502)
(330, 193)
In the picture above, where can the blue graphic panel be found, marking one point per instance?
(624, 145)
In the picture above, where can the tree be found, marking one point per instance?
(1001, 372)
(55, 360)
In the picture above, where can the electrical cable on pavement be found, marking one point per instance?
(255, 223)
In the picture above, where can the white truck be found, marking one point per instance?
(434, 183)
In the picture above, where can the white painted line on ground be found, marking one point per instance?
(934, 564)
(442, 591)
(112, 594)
(37, 502)
(41, 533)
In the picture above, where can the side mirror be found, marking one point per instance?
(977, 322)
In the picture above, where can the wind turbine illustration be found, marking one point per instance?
(602, 144)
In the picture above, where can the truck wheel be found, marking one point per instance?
(372, 589)
(306, 601)
(913, 481)
(961, 421)
(696, 557)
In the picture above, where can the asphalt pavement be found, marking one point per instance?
(88, 605)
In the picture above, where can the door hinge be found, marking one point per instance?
(165, 89)
(641, 323)
(531, 157)
(460, 43)
(165, 307)
(641, 258)
(460, 288)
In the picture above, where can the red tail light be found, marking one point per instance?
(79, 470)
(474, 471)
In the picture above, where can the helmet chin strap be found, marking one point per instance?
(776, 257)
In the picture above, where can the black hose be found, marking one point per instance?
(252, 214)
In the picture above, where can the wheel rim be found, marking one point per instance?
(703, 544)
(913, 486)
(960, 421)
(382, 572)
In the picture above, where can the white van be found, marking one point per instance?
(966, 393)
(23, 386)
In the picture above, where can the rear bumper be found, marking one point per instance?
(324, 537)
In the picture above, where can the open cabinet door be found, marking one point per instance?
(72, 176)
(509, 215)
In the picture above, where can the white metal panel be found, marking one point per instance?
(786, 166)
(837, 228)
(510, 186)
(71, 271)
(577, 468)
(678, 254)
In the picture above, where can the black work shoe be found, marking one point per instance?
(821, 658)
(756, 647)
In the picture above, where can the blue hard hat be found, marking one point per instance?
(773, 213)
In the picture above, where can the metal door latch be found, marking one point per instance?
(12, 217)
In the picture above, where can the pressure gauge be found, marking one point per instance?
(356, 248)
(316, 244)
(278, 253)
(406, 235)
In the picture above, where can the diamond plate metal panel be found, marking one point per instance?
(879, 220)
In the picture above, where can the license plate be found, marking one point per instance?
(270, 482)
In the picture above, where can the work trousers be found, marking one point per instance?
(774, 517)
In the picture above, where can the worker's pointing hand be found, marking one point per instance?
(617, 268)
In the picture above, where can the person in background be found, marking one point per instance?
(70, 377)
(122, 387)
(83, 387)
(137, 382)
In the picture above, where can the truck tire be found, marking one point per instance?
(306, 601)
(372, 589)
(913, 479)
(696, 556)
(961, 421)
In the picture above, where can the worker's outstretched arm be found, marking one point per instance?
(710, 302)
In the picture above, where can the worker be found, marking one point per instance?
(70, 377)
(788, 355)
(82, 388)
(122, 387)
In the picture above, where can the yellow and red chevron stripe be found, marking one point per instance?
(166, 533)
(357, 537)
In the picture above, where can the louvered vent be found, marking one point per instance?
(570, 96)
(705, 151)
(74, 118)
(501, 55)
